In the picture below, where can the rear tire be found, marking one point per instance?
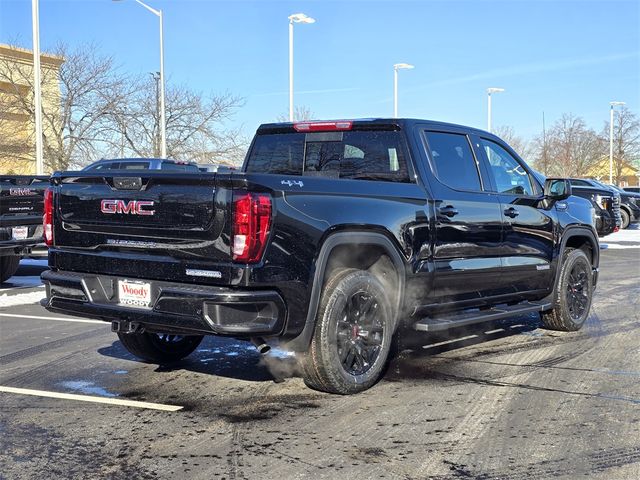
(352, 338)
(573, 293)
(626, 220)
(159, 347)
(8, 266)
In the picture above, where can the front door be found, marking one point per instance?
(528, 231)
(468, 221)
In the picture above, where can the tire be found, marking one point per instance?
(8, 266)
(626, 220)
(159, 347)
(344, 357)
(573, 293)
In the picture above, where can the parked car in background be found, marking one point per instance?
(605, 200)
(21, 209)
(141, 164)
(629, 206)
(629, 211)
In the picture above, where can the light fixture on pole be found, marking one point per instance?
(35, 19)
(295, 18)
(396, 67)
(613, 104)
(491, 90)
(163, 123)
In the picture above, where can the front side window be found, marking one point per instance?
(509, 176)
(452, 161)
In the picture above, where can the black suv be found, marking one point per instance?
(334, 237)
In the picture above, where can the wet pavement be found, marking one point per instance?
(505, 400)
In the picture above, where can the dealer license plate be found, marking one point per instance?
(20, 233)
(134, 294)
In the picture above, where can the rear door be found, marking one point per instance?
(528, 230)
(468, 221)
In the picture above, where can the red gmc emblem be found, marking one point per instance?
(132, 207)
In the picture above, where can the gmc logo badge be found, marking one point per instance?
(132, 207)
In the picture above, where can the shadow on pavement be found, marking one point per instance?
(237, 359)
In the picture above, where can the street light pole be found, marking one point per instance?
(35, 18)
(396, 67)
(295, 18)
(163, 118)
(613, 104)
(489, 92)
(163, 121)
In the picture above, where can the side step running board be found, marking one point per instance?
(460, 319)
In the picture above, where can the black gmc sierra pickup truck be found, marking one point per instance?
(332, 238)
(21, 203)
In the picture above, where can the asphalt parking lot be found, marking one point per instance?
(505, 400)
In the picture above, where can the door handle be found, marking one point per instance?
(511, 212)
(448, 211)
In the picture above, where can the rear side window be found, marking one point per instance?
(452, 161)
(362, 155)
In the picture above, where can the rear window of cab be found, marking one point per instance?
(358, 155)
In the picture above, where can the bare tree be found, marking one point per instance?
(97, 111)
(301, 113)
(75, 122)
(520, 145)
(626, 141)
(195, 125)
(571, 148)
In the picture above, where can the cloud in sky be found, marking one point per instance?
(528, 68)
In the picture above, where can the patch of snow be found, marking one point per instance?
(21, 299)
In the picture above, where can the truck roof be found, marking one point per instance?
(368, 123)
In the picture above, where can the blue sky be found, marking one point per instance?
(551, 56)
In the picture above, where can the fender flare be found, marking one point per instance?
(576, 231)
(302, 341)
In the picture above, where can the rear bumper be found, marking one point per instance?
(175, 307)
(9, 246)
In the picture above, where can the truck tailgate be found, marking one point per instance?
(21, 197)
(169, 223)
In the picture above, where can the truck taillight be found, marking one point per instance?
(251, 225)
(47, 218)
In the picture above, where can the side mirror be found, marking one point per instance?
(557, 189)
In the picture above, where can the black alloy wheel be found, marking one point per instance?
(360, 333)
(577, 291)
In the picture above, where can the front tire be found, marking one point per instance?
(573, 293)
(352, 338)
(626, 219)
(8, 266)
(159, 348)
